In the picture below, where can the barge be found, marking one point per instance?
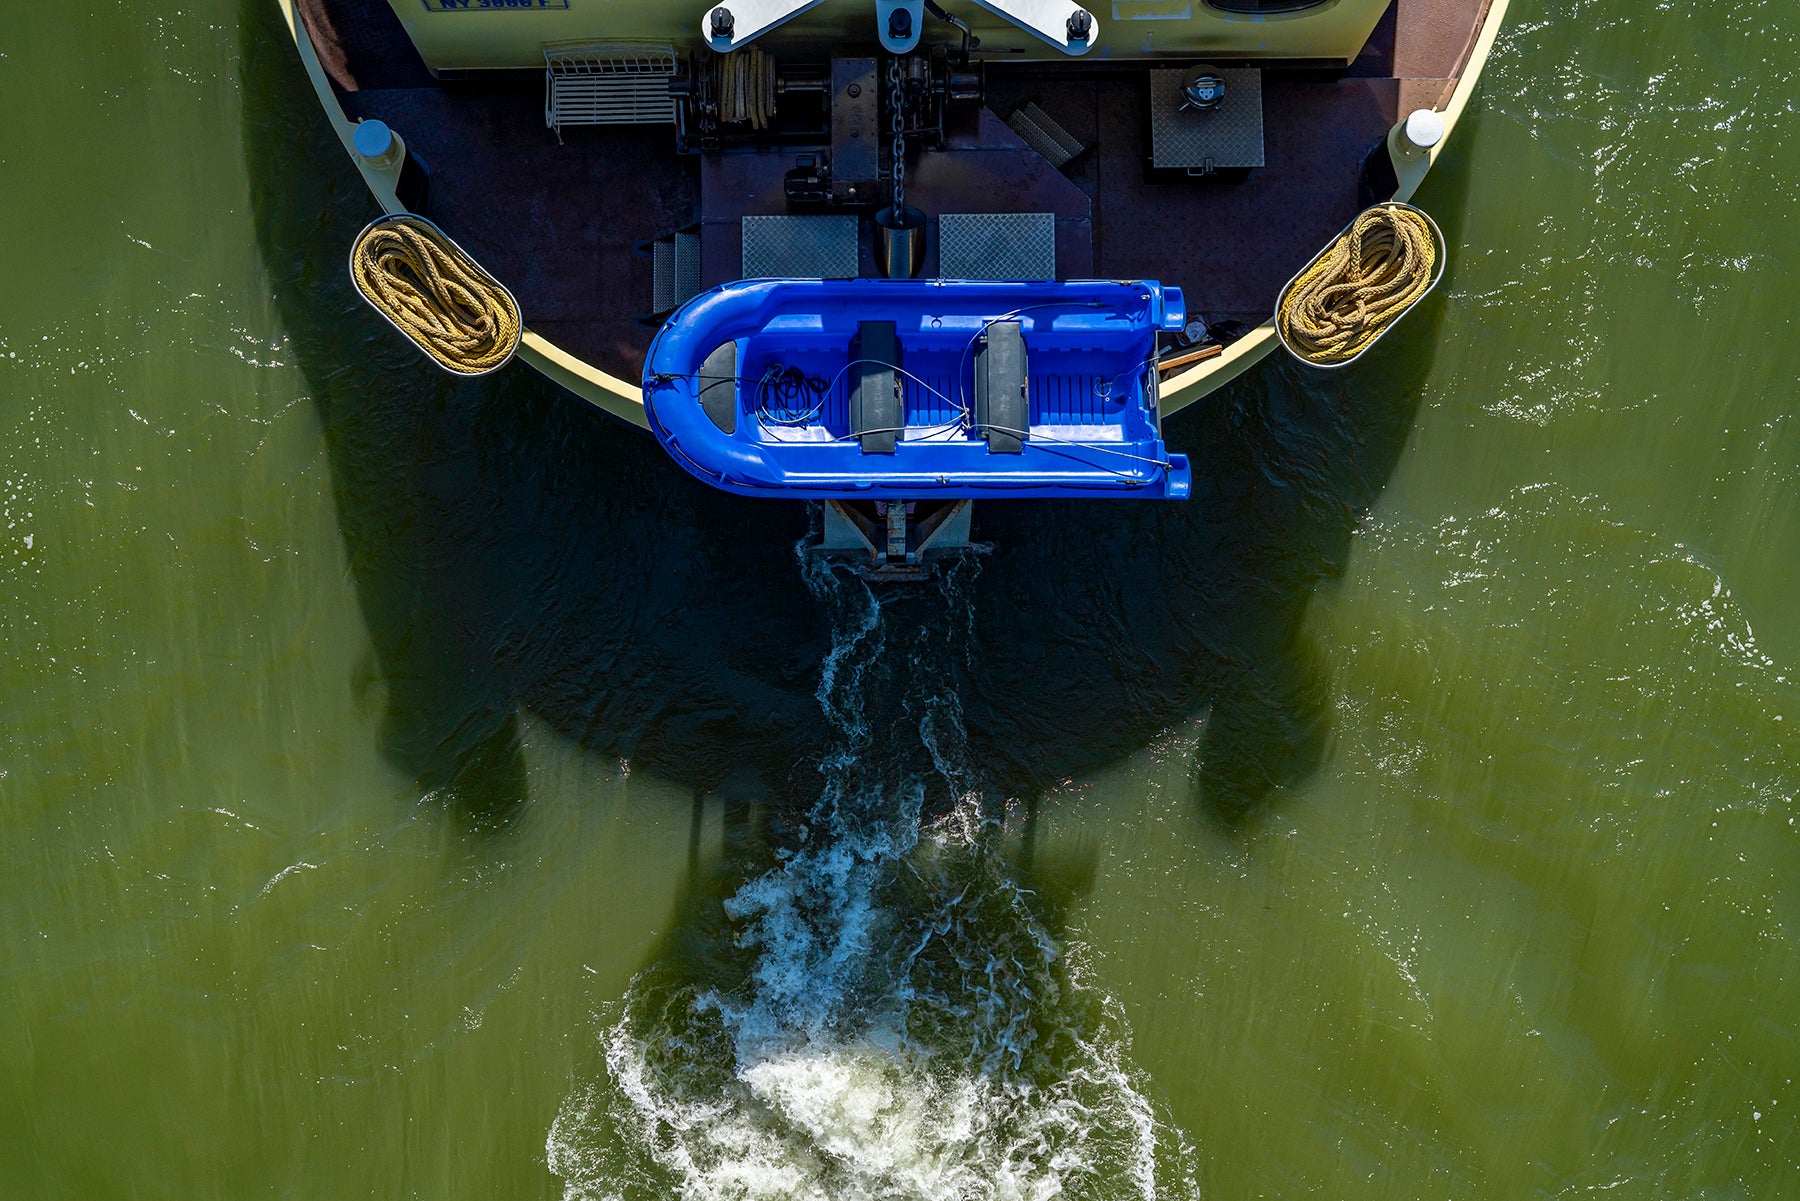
(930, 178)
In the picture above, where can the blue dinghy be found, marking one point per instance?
(868, 389)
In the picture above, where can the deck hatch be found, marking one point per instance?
(1194, 140)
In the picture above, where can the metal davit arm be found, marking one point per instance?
(736, 23)
(1064, 24)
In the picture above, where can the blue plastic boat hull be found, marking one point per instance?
(788, 413)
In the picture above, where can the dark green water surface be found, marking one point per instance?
(412, 789)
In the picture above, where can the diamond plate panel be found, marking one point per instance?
(800, 247)
(997, 246)
(687, 267)
(1228, 136)
(1049, 125)
(662, 276)
(1041, 132)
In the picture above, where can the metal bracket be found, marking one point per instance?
(734, 23)
(1066, 25)
(896, 544)
(898, 21)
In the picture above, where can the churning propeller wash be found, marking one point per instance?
(1372, 274)
(436, 295)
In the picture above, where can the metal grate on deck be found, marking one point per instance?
(687, 266)
(662, 275)
(997, 246)
(801, 248)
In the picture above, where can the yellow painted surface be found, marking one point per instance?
(509, 35)
(619, 397)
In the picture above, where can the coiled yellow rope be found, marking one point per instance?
(437, 295)
(1357, 288)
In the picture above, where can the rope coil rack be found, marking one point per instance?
(1354, 291)
(747, 87)
(429, 289)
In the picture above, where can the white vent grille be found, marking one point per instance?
(614, 84)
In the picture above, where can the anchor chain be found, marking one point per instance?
(895, 103)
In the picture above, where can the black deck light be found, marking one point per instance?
(1081, 24)
(722, 22)
(1205, 91)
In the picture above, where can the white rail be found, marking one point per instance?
(616, 83)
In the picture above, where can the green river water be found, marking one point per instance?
(418, 790)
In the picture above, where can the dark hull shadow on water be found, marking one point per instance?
(515, 550)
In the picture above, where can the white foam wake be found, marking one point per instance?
(887, 1014)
